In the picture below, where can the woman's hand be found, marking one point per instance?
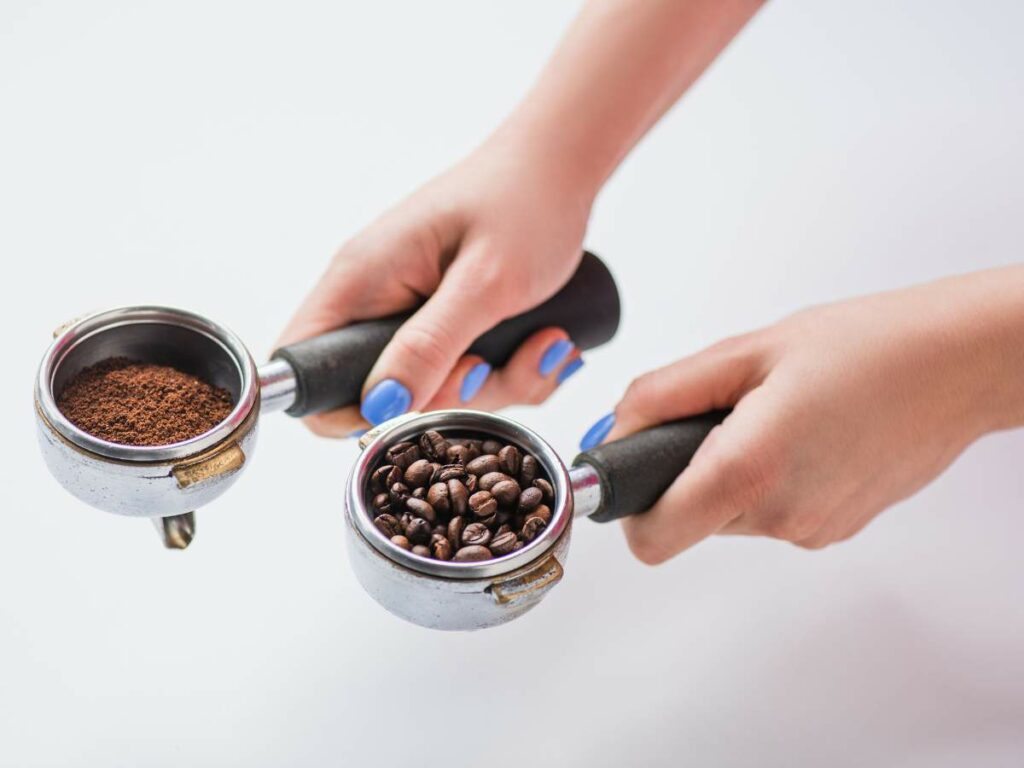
(493, 237)
(840, 411)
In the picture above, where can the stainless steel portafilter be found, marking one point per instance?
(606, 483)
(168, 482)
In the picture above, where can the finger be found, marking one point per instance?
(716, 377)
(470, 300)
(344, 422)
(533, 373)
(725, 479)
(468, 376)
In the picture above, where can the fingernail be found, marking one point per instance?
(598, 432)
(570, 369)
(554, 356)
(389, 398)
(473, 381)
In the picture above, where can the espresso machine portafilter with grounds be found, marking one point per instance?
(168, 483)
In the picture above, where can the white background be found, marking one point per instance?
(212, 155)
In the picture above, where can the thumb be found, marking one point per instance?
(472, 298)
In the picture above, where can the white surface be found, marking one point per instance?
(211, 155)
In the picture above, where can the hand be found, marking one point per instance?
(840, 411)
(495, 236)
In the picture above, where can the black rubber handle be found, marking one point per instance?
(636, 470)
(330, 369)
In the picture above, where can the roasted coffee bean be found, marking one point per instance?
(399, 495)
(388, 525)
(546, 489)
(527, 471)
(509, 458)
(433, 446)
(476, 533)
(519, 545)
(529, 498)
(483, 504)
(503, 543)
(502, 517)
(420, 508)
(491, 479)
(440, 529)
(403, 454)
(458, 454)
(455, 528)
(504, 528)
(441, 549)
(483, 464)
(437, 497)
(385, 477)
(419, 493)
(472, 553)
(458, 497)
(543, 511)
(490, 446)
(418, 531)
(532, 527)
(381, 500)
(401, 541)
(450, 472)
(418, 473)
(506, 492)
(421, 550)
(471, 483)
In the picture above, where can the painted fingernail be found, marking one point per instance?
(598, 432)
(554, 356)
(570, 369)
(388, 398)
(473, 380)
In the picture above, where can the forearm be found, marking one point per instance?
(620, 66)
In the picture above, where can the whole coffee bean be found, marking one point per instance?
(483, 464)
(450, 472)
(418, 531)
(491, 521)
(502, 517)
(401, 541)
(458, 497)
(384, 477)
(421, 550)
(503, 543)
(419, 493)
(476, 533)
(457, 454)
(471, 483)
(529, 498)
(440, 529)
(491, 479)
(543, 511)
(519, 545)
(504, 528)
(483, 504)
(532, 527)
(490, 446)
(455, 528)
(381, 500)
(546, 489)
(420, 508)
(506, 492)
(527, 470)
(509, 458)
(472, 553)
(388, 525)
(399, 495)
(437, 497)
(403, 454)
(418, 473)
(441, 549)
(433, 446)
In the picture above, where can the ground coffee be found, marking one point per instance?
(133, 403)
(461, 499)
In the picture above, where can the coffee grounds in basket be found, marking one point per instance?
(132, 403)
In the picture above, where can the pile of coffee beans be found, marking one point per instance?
(460, 499)
(134, 403)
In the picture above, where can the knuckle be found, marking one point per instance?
(648, 550)
(793, 527)
(752, 477)
(427, 346)
(641, 391)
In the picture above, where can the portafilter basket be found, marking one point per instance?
(168, 482)
(612, 481)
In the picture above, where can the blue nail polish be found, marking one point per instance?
(388, 399)
(570, 369)
(473, 380)
(357, 433)
(598, 432)
(554, 356)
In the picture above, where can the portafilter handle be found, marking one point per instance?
(328, 371)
